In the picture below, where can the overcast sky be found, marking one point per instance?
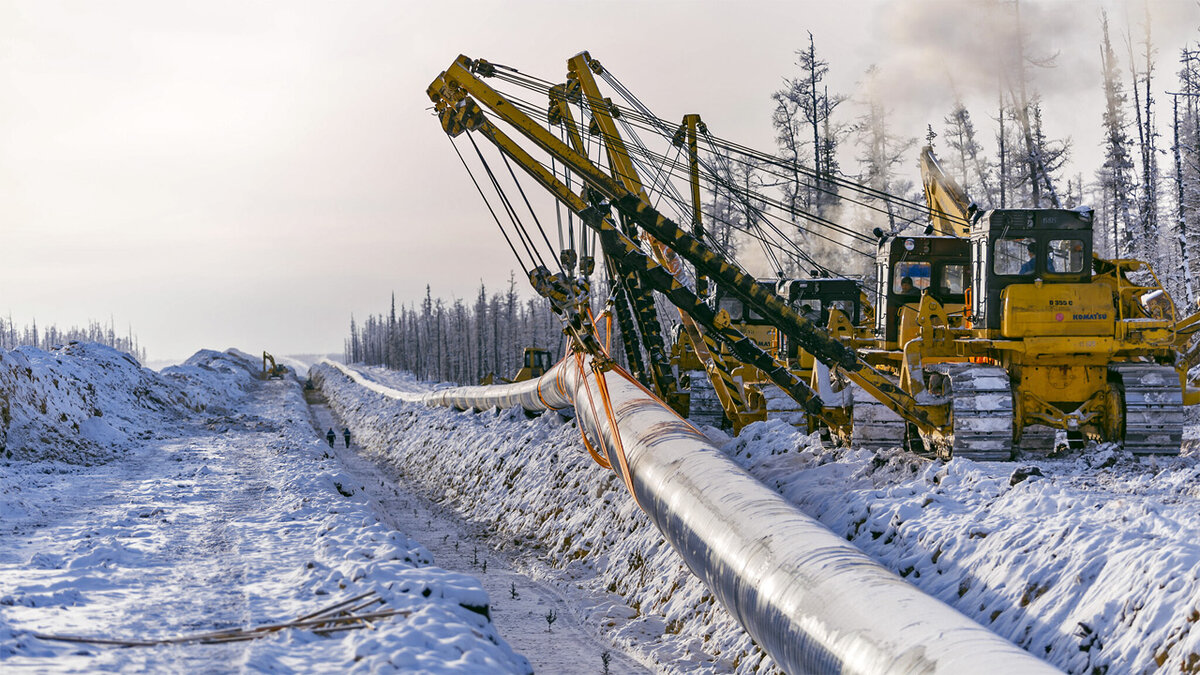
(249, 174)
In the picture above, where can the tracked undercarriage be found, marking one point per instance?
(1153, 407)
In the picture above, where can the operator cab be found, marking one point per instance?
(749, 322)
(815, 298)
(536, 363)
(1017, 250)
(907, 267)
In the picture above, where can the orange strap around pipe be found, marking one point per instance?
(612, 424)
(596, 456)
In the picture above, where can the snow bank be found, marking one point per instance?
(79, 403)
(1091, 562)
(230, 512)
(531, 481)
(214, 380)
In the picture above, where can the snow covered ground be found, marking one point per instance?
(136, 505)
(1093, 565)
(520, 602)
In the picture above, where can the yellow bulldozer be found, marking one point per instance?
(1009, 317)
(535, 363)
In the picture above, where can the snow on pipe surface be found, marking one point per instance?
(812, 600)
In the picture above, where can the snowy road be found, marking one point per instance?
(234, 519)
(567, 646)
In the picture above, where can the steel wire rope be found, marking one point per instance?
(752, 210)
(585, 243)
(664, 128)
(648, 168)
(558, 209)
(850, 232)
(537, 113)
(768, 218)
(540, 115)
(500, 225)
(653, 121)
(759, 237)
(664, 159)
(813, 218)
(684, 208)
(681, 209)
(640, 112)
(853, 186)
(921, 212)
(526, 240)
(532, 214)
(678, 169)
(529, 108)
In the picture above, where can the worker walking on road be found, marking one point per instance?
(330, 436)
(346, 435)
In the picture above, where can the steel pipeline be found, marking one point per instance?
(813, 601)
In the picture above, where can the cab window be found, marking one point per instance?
(1065, 256)
(954, 279)
(910, 278)
(809, 307)
(847, 307)
(1015, 256)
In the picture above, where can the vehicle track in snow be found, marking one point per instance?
(165, 524)
(568, 647)
(228, 519)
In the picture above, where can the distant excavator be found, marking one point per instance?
(275, 371)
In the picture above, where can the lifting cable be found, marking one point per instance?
(647, 117)
(678, 170)
(752, 213)
(641, 114)
(661, 128)
(526, 241)
(558, 208)
(665, 130)
(540, 115)
(489, 207)
(532, 213)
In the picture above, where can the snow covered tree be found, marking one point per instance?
(881, 151)
(1147, 203)
(804, 131)
(1185, 153)
(51, 336)
(966, 160)
(1115, 176)
(727, 210)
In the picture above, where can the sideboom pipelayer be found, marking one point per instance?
(993, 332)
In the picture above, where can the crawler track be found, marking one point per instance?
(704, 407)
(1153, 408)
(875, 426)
(981, 412)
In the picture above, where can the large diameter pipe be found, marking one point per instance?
(813, 601)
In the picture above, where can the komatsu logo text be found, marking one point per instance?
(1089, 317)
